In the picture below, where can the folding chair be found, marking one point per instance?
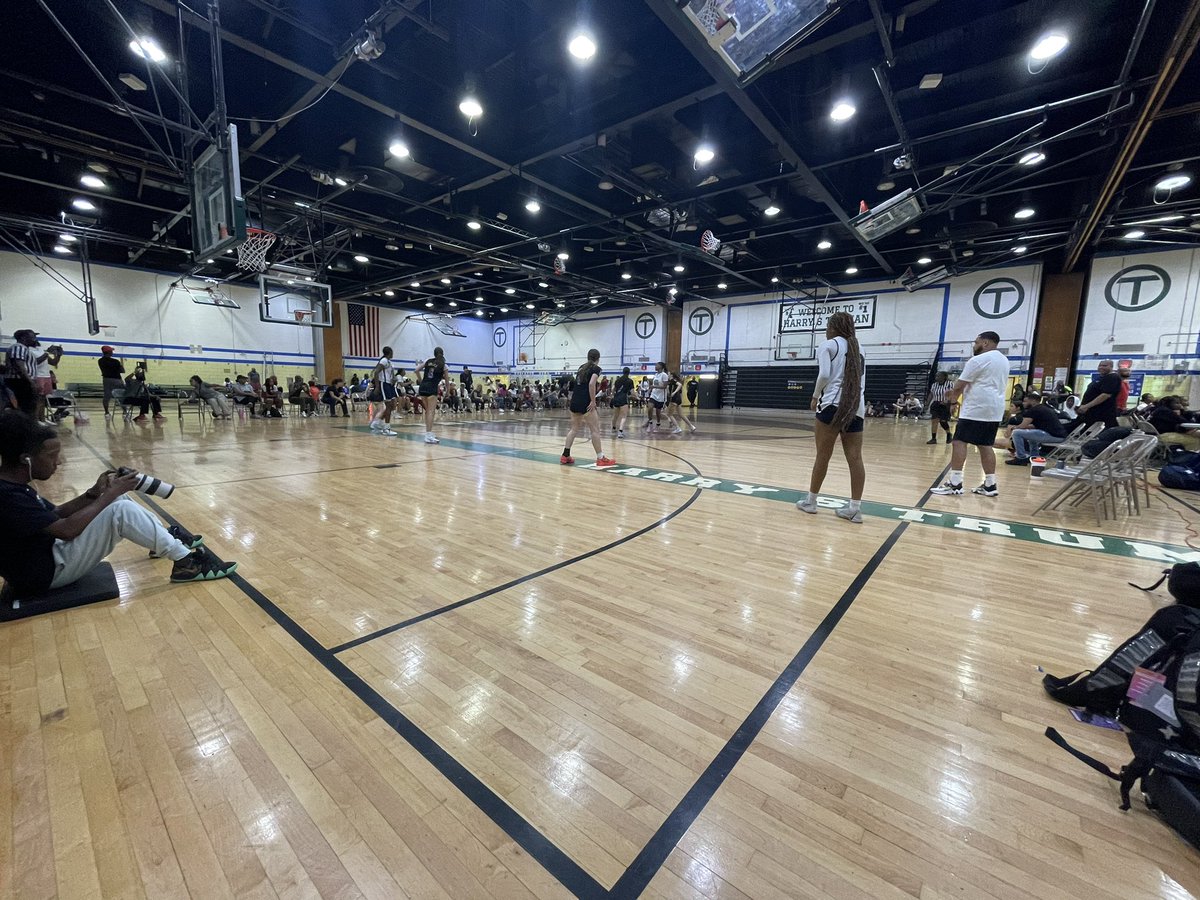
(118, 397)
(1099, 479)
(1071, 448)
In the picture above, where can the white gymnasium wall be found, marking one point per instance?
(153, 324)
(414, 339)
(939, 322)
(633, 338)
(1144, 308)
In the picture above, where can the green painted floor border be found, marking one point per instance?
(1150, 551)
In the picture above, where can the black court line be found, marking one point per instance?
(516, 582)
(569, 873)
(652, 857)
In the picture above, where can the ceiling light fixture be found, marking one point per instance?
(704, 154)
(1032, 158)
(1173, 182)
(454, 303)
(625, 276)
(340, 181)
(398, 149)
(886, 185)
(479, 312)
(470, 107)
(445, 280)
(1025, 212)
(389, 293)
(83, 205)
(1134, 234)
(510, 290)
(564, 255)
(91, 181)
(771, 210)
(1049, 46)
(474, 224)
(543, 285)
(358, 257)
(913, 230)
(1020, 248)
(532, 205)
(853, 270)
(147, 48)
(529, 306)
(930, 81)
(721, 285)
(605, 185)
(209, 261)
(581, 46)
(774, 279)
(429, 304)
(842, 110)
(67, 238)
(504, 309)
(924, 261)
(60, 248)
(678, 267)
(415, 284)
(594, 301)
(824, 244)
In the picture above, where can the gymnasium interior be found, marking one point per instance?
(461, 669)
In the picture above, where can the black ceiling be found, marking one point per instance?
(629, 120)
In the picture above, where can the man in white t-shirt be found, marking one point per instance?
(385, 373)
(982, 387)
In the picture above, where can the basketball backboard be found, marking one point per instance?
(207, 292)
(283, 298)
(218, 208)
(748, 35)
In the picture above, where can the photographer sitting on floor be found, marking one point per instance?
(43, 546)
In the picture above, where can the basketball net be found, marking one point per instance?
(252, 252)
(303, 316)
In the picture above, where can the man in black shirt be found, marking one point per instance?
(43, 546)
(112, 375)
(467, 380)
(1100, 399)
(1039, 425)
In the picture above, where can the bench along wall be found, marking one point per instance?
(936, 324)
(173, 336)
(1141, 308)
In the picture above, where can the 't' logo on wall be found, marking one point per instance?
(701, 320)
(999, 298)
(1138, 287)
(645, 326)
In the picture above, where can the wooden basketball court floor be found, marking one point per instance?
(465, 671)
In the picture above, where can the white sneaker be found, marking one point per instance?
(808, 505)
(845, 513)
(431, 439)
(621, 434)
(677, 430)
(375, 424)
(387, 430)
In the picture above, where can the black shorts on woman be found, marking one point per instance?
(825, 416)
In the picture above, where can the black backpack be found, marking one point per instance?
(1157, 674)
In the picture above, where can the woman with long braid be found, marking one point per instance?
(838, 400)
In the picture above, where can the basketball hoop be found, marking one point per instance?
(791, 354)
(303, 316)
(109, 330)
(252, 252)
(709, 17)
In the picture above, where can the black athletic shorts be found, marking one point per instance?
(972, 431)
(388, 390)
(826, 415)
(658, 404)
(939, 412)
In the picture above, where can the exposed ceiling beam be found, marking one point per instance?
(677, 22)
(1174, 60)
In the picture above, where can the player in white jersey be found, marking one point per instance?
(385, 374)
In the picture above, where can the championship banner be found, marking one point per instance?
(811, 315)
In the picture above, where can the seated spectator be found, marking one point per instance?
(298, 395)
(1039, 425)
(206, 393)
(314, 391)
(137, 393)
(1145, 405)
(333, 395)
(502, 397)
(272, 398)
(43, 546)
(243, 394)
(1169, 415)
(477, 397)
(1067, 412)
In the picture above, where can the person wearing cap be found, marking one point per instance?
(19, 369)
(112, 375)
(1039, 425)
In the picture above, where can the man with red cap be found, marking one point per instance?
(112, 372)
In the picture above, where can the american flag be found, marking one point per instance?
(363, 327)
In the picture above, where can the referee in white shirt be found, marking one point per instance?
(19, 366)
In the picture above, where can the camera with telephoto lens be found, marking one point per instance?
(148, 484)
